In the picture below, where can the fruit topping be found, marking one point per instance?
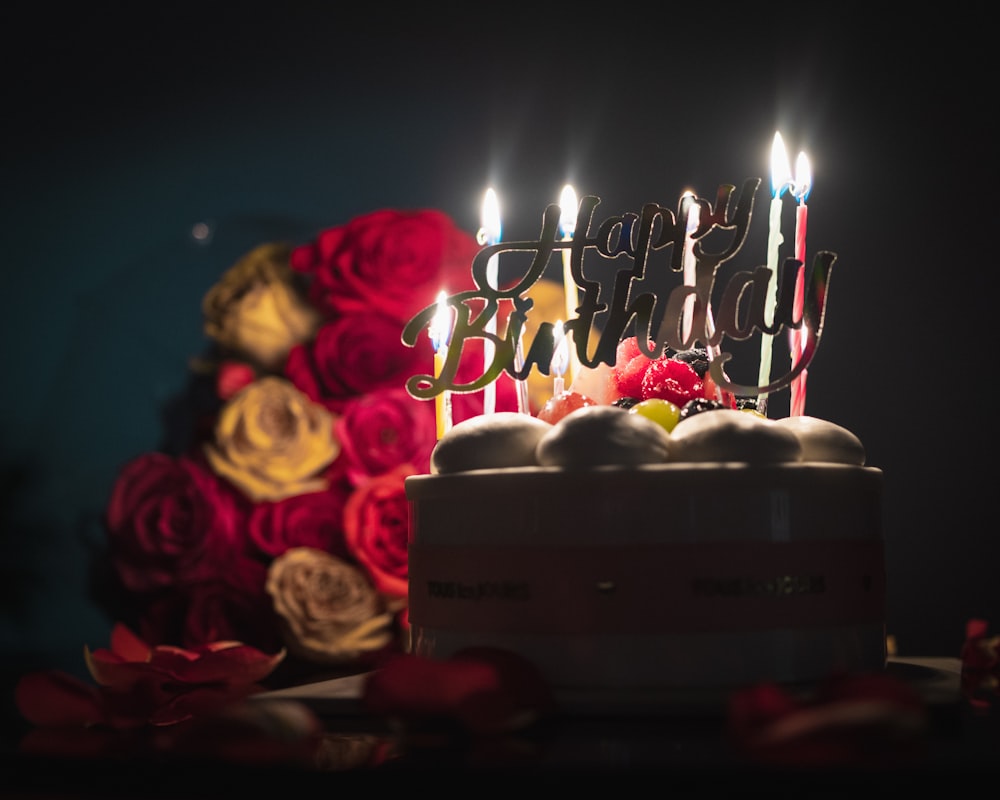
(697, 357)
(671, 380)
(662, 412)
(558, 406)
(626, 402)
(698, 405)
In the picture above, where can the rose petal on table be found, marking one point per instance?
(867, 718)
(235, 663)
(485, 690)
(54, 698)
(127, 645)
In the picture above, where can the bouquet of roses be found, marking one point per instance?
(283, 524)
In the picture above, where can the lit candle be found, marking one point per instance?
(690, 274)
(781, 175)
(490, 235)
(438, 333)
(567, 226)
(523, 401)
(560, 358)
(800, 190)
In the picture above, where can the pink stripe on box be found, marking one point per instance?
(647, 589)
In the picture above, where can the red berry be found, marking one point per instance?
(630, 367)
(627, 350)
(673, 380)
(558, 406)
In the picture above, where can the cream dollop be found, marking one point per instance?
(598, 435)
(727, 434)
(489, 441)
(826, 441)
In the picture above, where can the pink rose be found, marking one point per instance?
(312, 520)
(384, 429)
(354, 355)
(395, 261)
(376, 524)
(171, 521)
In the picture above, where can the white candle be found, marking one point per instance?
(690, 273)
(438, 333)
(800, 190)
(491, 235)
(781, 175)
(567, 226)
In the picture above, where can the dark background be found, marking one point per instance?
(121, 133)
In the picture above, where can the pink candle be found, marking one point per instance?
(560, 358)
(800, 190)
(567, 225)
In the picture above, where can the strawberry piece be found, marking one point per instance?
(671, 380)
(630, 367)
(560, 405)
(627, 350)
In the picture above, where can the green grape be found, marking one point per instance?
(660, 411)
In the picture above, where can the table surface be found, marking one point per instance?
(681, 739)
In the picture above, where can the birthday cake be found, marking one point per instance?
(619, 557)
(650, 529)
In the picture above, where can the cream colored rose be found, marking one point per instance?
(329, 610)
(257, 311)
(272, 441)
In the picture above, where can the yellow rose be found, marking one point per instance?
(272, 441)
(257, 311)
(329, 610)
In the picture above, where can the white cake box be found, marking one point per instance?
(640, 580)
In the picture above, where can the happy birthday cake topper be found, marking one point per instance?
(764, 299)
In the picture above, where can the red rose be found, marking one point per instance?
(213, 611)
(354, 355)
(171, 521)
(232, 377)
(376, 525)
(395, 261)
(312, 520)
(382, 430)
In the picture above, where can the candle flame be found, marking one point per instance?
(560, 350)
(781, 171)
(441, 323)
(490, 220)
(568, 205)
(803, 178)
(694, 217)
